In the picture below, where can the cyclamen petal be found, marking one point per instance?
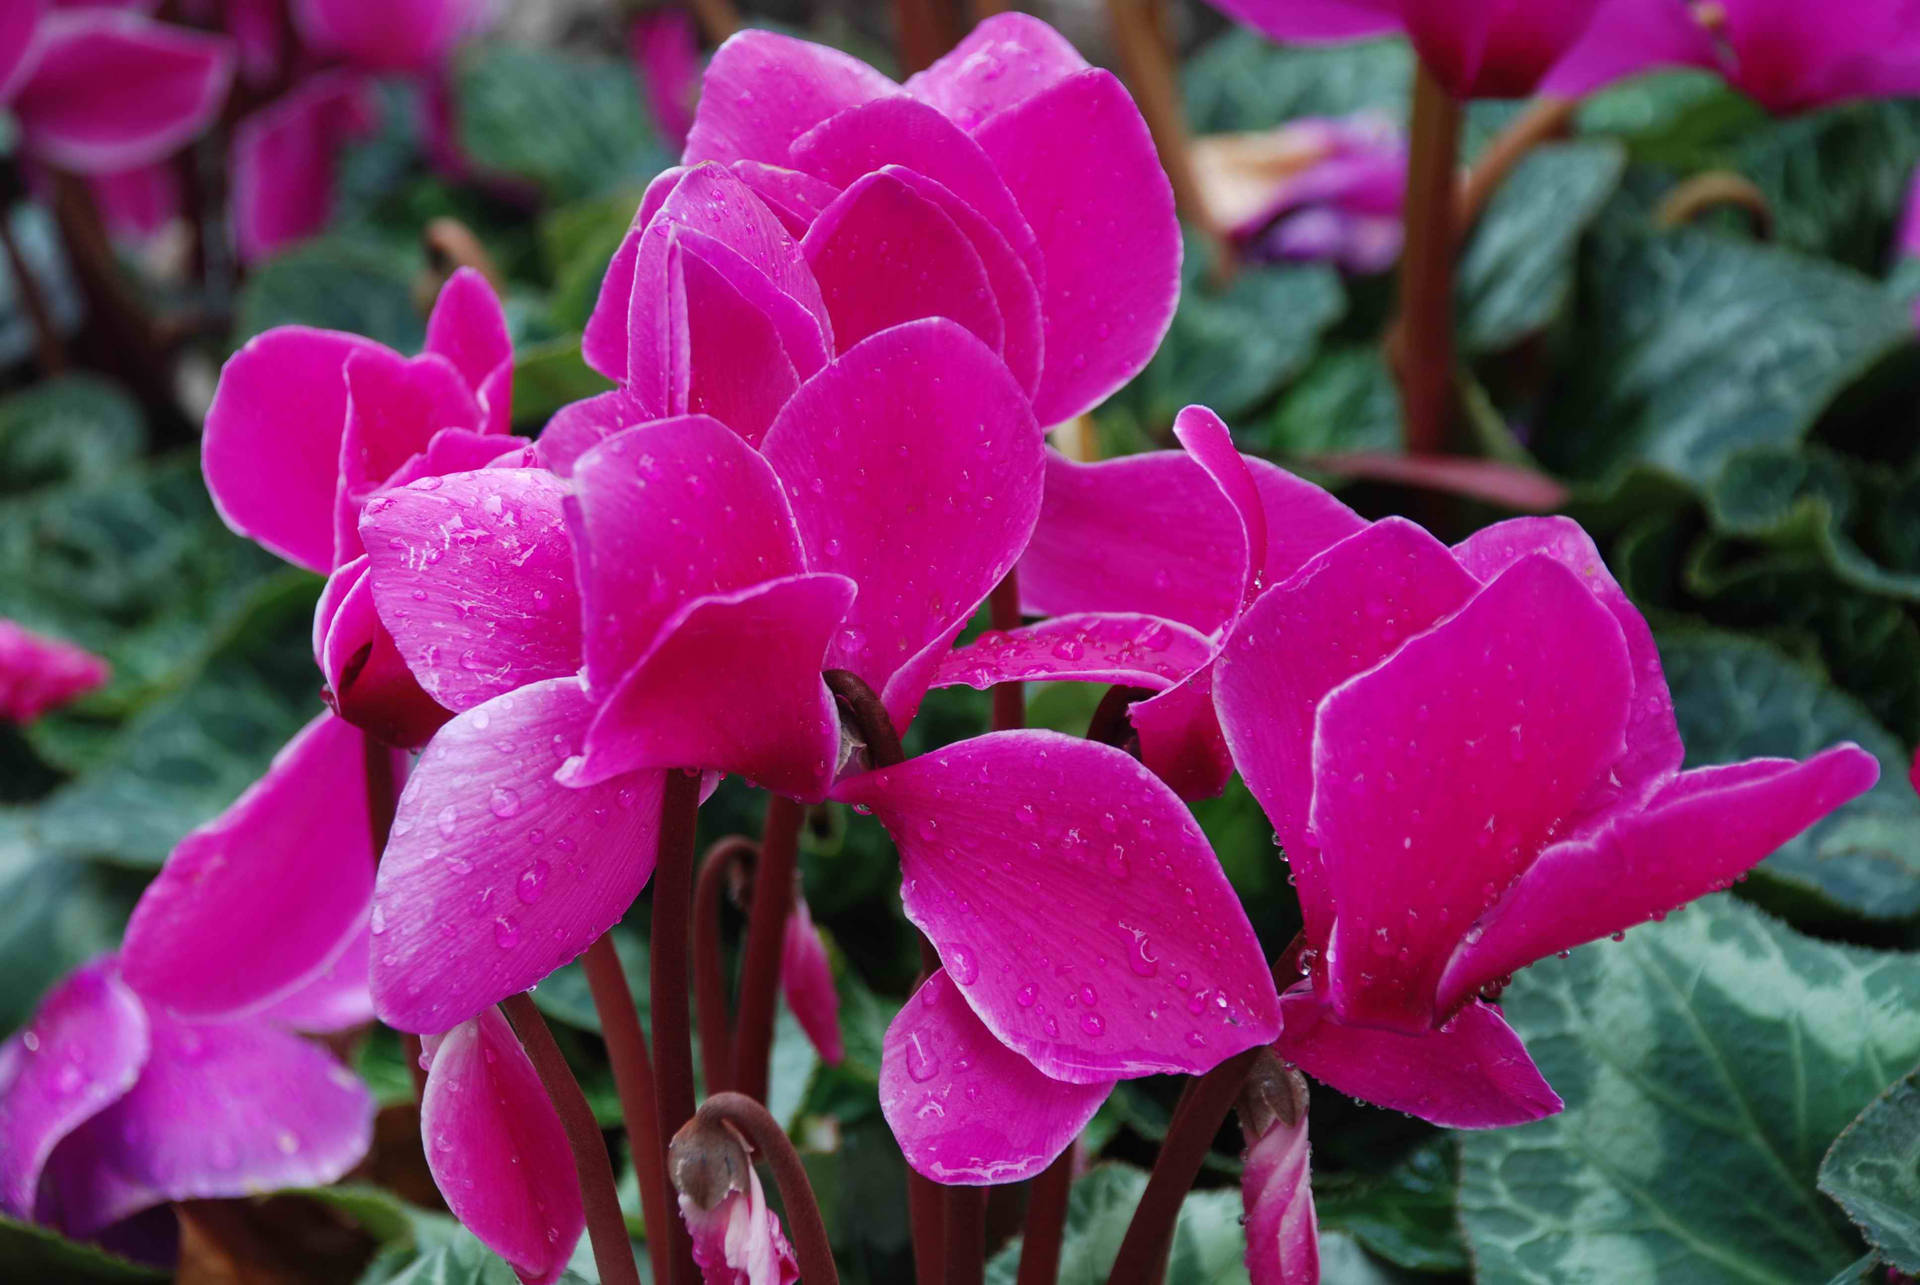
(111, 89)
(796, 199)
(338, 999)
(368, 682)
(1180, 740)
(468, 327)
(1003, 61)
(395, 407)
(966, 1109)
(83, 1049)
(1101, 647)
(284, 161)
(497, 1150)
(18, 22)
(762, 91)
(806, 982)
(665, 49)
(410, 35)
(496, 874)
(1208, 442)
(578, 427)
(1076, 904)
(739, 1241)
(39, 674)
(1471, 1073)
(255, 904)
(1283, 1238)
(138, 204)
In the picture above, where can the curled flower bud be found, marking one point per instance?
(1283, 1246)
(736, 1238)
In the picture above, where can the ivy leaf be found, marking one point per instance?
(1682, 120)
(54, 915)
(1873, 1170)
(35, 1253)
(357, 284)
(1707, 1064)
(1738, 698)
(565, 996)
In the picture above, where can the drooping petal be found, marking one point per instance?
(1096, 647)
(732, 685)
(1706, 829)
(79, 1054)
(469, 328)
(881, 220)
(665, 513)
(284, 161)
(966, 1109)
(220, 1110)
(339, 999)
(496, 874)
(473, 577)
(1342, 613)
(256, 903)
(1082, 168)
(1075, 903)
(1439, 775)
(368, 682)
(497, 1150)
(111, 89)
(38, 674)
(411, 35)
(1283, 1236)
(1472, 1073)
(806, 980)
(17, 25)
(762, 91)
(739, 1241)
(271, 447)
(1207, 440)
(914, 467)
(1003, 61)
(1630, 36)
(1180, 740)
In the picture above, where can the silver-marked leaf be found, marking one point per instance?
(1873, 1170)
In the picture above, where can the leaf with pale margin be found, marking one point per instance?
(1738, 698)
(1707, 1063)
(1346, 401)
(1873, 1170)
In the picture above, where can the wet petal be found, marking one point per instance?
(1083, 171)
(1283, 1234)
(1180, 740)
(1341, 614)
(806, 980)
(256, 903)
(1706, 829)
(764, 90)
(732, 685)
(496, 875)
(368, 683)
(796, 199)
(1097, 647)
(1472, 1073)
(1439, 775)
(38, 674)
(1005, 60)
(112, 89)
(395, 407)
(966, 1109)
(469, 328)
(739, 1241)
(1630, 36)
(664, 513)
(497, 1150)
(79, 1054)
(271, 448)
(1076, 903)
(220, 1110)
(914, 466)
(473, 577)
(578, 427)
(339, 999)
(285, 157)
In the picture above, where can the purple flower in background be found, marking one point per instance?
(38, 673)
(1315, 189)
(388, 35)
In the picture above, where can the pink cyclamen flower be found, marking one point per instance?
(1470, 758)
(38, 673)
(1788, 57)
(806, 979)
(1144, 563)
(666, 54)
(1316, 189)
(738, 1240)
(1483, 49)
(137, 204)
(1283, 1233)
(102, 90)
(388, 35)
(306, 425)
(1022, 182)
(284, 160)
(109, 1106)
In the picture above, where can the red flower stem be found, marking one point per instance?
(922, 33)
(1202, 1110)
(709, 972)
(1009, 699)
(804, 1224)
(639, 1101)
(766, 934)
(1046, 1222)
(966, 1235)
(1152, 73)
(1424, 330)
(927, 1218)
(672, 1039)
(612, 1251)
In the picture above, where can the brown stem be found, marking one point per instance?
(451, 245)
(766, 935)
(125, 329)
(1009, 699)
(718, 19)
(709, 972)
(927, 1218)
(1146, 59)
(1424, 331)
(1046, 1222)
(1544, 120)
(1711, 190)
(639, 1096)
(46, 335)
(745, 1115)
(966, 1235)
(984, 9)
(612, 1251)
(672, 1040)
(861, 704)
(1203, 1108)
(922, 32)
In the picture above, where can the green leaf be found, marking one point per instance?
(1873, 1170)
(1737, 698)
(34, 1253)
(572, 126)
(565, 996)
(38, 237)
(1406, 1215)
(1707, 1063)
(75, 429)
(546, 376)
(1856, 1272)
(361, 285)
(1683, 120)
(577, 242)
(54, 915)
(1836, 180)
(439, 1251)
(1242, 81)
(1518, 270)
(1209, 1246)
(1695, 347)
(1345, 402)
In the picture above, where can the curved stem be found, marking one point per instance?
(1544, 120)
(612, 1251)
(766, 935)
(1009, 699)
(709, 972)
(863, 705)
(1711, 190)
(804, 1224)
(672, 1040)
(1424, 331)
(639, 1101)
(1203, 1108)
(1046, 1222)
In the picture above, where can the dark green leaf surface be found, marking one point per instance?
(29, 1253)
(76, 429)
(1407, 1214)
(1209, 1246)
(1836, 180)
(361, 285)
(1873, 1170)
